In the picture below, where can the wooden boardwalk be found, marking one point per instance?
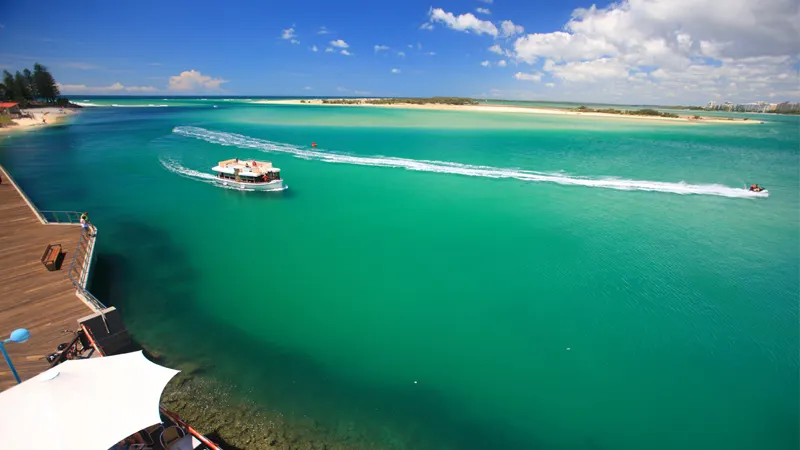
(32, 297)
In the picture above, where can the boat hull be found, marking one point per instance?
(274, 185)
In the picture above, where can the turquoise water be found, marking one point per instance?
(453, 280)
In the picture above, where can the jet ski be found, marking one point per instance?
(757, 188)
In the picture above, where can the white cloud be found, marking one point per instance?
(401, 54)
(692, 49)
(307, 88)
(380, 48)
(115, 88)
(509, 29)
(294, 41)
(501, 63)
(550, 85)
(496, 49)
(329, 50)
(339, 43)
(345, 53)
(323, 30)
(488, 2)
(485, 63)
(314, 48)
(426, 26)
(395, 70)
(528, 76)
(192, 80)
(429, 53)
(483, 11)
(288, 34)
(464, 22)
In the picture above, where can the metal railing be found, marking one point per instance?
(82, 249)
(81, 259)
(61, 216)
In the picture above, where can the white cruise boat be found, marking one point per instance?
(249, 174)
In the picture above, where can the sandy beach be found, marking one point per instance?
(507, 109)
(40, 117)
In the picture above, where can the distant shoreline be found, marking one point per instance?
(505, 109)
(41, 117)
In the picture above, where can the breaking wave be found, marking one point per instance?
(85, 103)
(241, 141)
(139, 106)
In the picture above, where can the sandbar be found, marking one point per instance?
(504, 109)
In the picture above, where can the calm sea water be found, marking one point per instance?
(453, 280)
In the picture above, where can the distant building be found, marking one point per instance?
(787, 107)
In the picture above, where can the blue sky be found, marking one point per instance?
(687, 51)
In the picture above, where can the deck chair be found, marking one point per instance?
(170, 435)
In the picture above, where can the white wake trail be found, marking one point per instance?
(246, 142)
(176, 167)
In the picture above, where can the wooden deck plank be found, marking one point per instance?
(32, 297)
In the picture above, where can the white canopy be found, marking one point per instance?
(88, 404)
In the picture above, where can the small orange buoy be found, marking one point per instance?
(313, 144)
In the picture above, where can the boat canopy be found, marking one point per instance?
(246, 168)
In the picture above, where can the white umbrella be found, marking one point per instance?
(88, 404)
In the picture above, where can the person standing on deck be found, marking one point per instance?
(85, 223)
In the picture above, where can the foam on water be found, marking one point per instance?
(85, 103)
(176, 167)
(241, 141)
(139, 106)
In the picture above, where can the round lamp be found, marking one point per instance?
(20, 335)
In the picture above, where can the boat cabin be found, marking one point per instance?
(247, 171)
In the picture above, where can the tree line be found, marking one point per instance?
(28, 87)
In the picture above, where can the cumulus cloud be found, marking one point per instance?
(501, 63)
(485, 63)
(483, 11)
(686, 50)
(115, 88)
(528, 76)
(323, 30)
(401, 54)
(192, 80)
(426, 26)
(329, 50)
(314, 48)
(395, 70)
(288, 34)
(509, 29)
(294, 41)
(464, 22)
(345, 53)
(339, 43)
(307, 88)
(379, 48)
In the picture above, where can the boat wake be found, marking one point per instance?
(246, 142)
(176, 167)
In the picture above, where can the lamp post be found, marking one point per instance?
(19, 335)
